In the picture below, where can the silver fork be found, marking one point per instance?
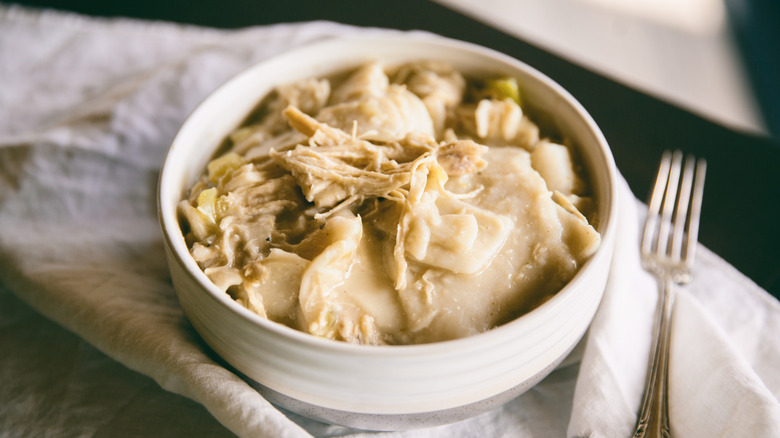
(668, 249)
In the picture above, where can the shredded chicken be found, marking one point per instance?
(461, 157)
(335, 166)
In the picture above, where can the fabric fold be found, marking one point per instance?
(713, 389)
(707, 365)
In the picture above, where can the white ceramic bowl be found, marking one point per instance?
(385, 387)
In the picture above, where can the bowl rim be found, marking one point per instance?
(175, 245)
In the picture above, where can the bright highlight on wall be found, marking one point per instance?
(703, 17)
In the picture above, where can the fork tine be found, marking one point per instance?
(669, 202)
(693, 219)
(654, 206)
(683, 205)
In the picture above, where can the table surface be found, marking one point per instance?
(740, 211)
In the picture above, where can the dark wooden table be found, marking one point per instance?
(741, 215)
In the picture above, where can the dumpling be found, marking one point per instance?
(385, 117)
(439, 86)
(554, 162)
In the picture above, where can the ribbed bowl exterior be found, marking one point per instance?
(385, 387)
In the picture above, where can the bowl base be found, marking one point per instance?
(401, 421)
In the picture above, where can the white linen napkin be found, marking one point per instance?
(723, 378)
(87, 110)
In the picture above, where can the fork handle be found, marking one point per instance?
(654, 417)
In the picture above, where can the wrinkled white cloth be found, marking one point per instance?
(723, 379)
(87, 110)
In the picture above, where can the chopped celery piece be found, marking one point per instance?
(222, 165)
(206, 204)
(504, 88)
(211, 205)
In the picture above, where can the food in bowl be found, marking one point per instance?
(400, 204)
(401, 386)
